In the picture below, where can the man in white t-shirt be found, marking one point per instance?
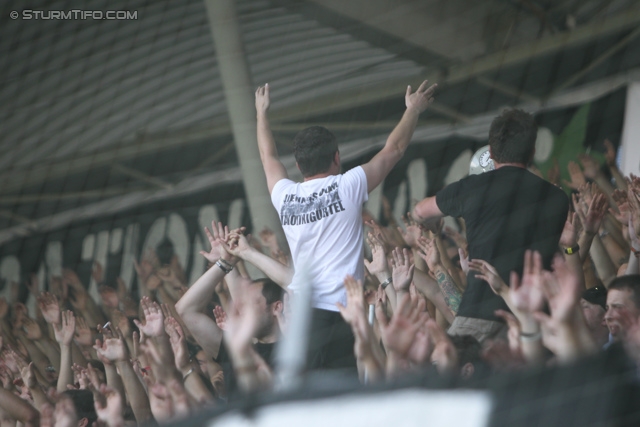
(322, 216)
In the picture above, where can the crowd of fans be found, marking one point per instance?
(174, 347)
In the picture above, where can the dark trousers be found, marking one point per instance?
(331, 342)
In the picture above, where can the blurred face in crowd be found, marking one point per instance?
(594, 318)
(619, 303)
(267, 321)
(65, 414)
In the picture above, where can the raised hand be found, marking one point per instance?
(420, 99)
(398, 334)
(108, 406)
(514, 330)
(242, 320)
(355, 300)
(553, 174)
(595, 214)
(220, 317)
(236, 243)
(71, 279)
(262, 98)
(65, 330)
(569, 236)
(402, 274)
(489, 274)
(112, 349)
(28, 374)
(178, 343)
(153, 318)
(379, 262)
(460, 240)
(412, 231)
(577, 177)
(218, 236)
(48, 305)
(144, 269)
(31, 329)
(429, 252)
(590, 165)
(83, 335)
(270, 240)
(527, 295)
(564, 332)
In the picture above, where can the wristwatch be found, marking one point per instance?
(386, 283)
(572, 250)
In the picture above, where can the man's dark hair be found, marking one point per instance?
(271, 291)
(83, 402)
(630, 282)
(469, 349)
(512, 137)
(314, 149)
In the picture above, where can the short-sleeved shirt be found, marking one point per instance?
(322, 220)
(506, 212)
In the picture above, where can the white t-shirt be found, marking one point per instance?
(322, 219)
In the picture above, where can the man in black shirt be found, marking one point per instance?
(506, 211)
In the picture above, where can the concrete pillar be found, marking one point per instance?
(239, 94)
(629, 153)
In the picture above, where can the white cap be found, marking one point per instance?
(481, 161)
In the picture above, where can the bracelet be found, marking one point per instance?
(635, 251)
(604, 233)
(225, 262)
(535, 336)
(189, 372)
(386, 283)
(572, 250)
(225, 269)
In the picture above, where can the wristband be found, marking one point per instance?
(530, 337)
(224, 268)
(226, 263)
(386, 283)
(635, 251)
(189, 372)
(572, 250)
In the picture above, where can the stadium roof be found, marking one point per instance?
(98, 116)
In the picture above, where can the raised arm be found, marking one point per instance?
(276, 271)
(194, 302)
(379, 167)
(273, 168)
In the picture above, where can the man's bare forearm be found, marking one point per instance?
(604, 266)
(201, 292)
(452, 295)
(279, 273)
(266, 142)
(430, 288)
(135, 392)
(400, 137)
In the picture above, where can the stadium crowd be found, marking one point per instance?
(443, 301)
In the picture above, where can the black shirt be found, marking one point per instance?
(506, 211)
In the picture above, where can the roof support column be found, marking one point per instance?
(239, 95)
